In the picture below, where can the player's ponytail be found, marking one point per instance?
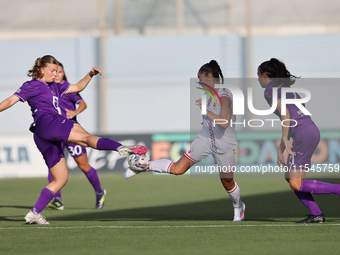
(277, 71)
(35, 72)
(214, 68)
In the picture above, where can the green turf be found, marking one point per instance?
(158, 214)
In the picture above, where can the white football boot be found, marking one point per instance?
(31, 218)
(239, 212)
(129, 173)
(125, 150)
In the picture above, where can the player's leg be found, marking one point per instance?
(226, 163)
(80, 156)
(307, 141)
(166, 166)
(59, 128)
(304, 144)
(53, 155)
(80, 136)
(60, 176)
(57, 203)
(197, 151)
(296, 180)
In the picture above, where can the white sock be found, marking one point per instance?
(235, 195)
(161, 166)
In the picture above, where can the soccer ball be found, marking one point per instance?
(139, 162)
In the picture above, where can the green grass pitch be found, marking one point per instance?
(159, 214)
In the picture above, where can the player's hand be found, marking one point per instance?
(94, 71)
(70, 114)
(199, 103)
(280, 160)
(289, 146)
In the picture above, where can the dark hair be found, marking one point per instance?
(64, 77)
(274, 68)
(214, 68)
(35, 72)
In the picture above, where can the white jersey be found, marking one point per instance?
(220, 139)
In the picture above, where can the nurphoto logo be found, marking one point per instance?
(238, 104)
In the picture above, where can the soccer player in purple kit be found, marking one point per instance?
(51, 129)
(305, 134)
(67, 104)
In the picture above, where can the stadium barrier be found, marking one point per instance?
(19, 156)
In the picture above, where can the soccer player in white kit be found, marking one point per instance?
(219, 140)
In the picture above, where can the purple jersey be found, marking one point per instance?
(295, 113)
(69, 101)
(41, 97)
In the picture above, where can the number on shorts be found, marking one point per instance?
(76, 150)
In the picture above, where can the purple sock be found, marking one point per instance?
(317, 187)
(308, 200)
(92, 176)
(107, 144)
(57, 196)
(45, 197)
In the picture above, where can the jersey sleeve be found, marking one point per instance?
(25, 92)
(278, 93)
(226, 93)
(268, 95)
(63, 88)
(78, 98)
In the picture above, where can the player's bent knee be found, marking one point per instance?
(295, 185)
(62, 181)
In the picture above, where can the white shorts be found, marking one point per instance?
(201, 148)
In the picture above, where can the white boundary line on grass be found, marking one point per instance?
(190, 226)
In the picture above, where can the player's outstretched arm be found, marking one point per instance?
(9, 102)
(83, 82)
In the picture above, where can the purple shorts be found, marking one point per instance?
(305, 142)
(76, 150)
(52, 130)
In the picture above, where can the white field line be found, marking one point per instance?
(189, 226)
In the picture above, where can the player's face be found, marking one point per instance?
(60, 75)
(262, 78)
(49, 72)
(206, 79)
